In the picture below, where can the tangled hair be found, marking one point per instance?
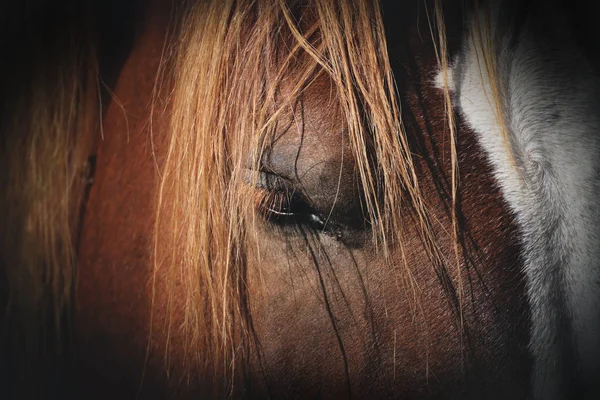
(231, 61)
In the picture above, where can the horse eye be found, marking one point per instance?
(285, 207)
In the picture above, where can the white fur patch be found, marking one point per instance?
(449, 81)
(550, 101)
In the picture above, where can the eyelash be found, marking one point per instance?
(287, 208)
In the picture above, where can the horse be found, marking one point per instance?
(300, 199)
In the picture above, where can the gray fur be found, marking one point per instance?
(551, 106)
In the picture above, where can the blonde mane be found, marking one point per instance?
(226, 99)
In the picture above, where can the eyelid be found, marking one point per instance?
(282, 201)
(269, 185)
(265, 180)
(273, 189)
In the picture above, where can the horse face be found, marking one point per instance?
(333, 316)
